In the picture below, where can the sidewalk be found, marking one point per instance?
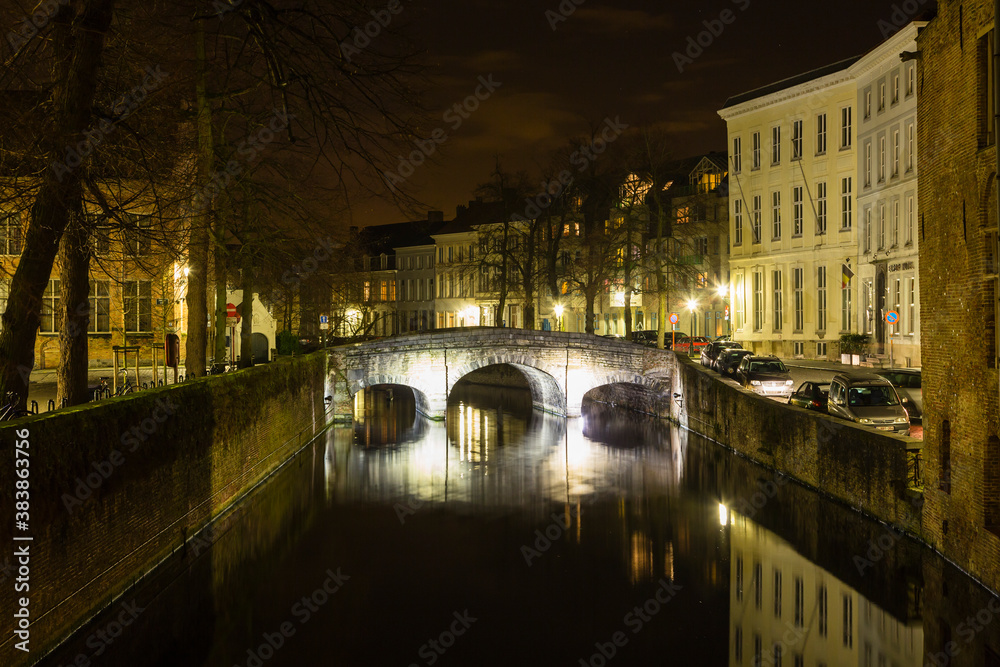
(42, 384)
(832, 366)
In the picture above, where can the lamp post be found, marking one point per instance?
(692, 304)
(559, 313)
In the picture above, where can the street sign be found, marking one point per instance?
(232, 321)
(892, 317)
(324, 326)
(323, 319)
(674, 318)
(232, 313)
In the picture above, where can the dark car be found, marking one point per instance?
(645, 337)
(711, 352)
(908, 387)
(729, 360)
(811, 396)
(766, 376)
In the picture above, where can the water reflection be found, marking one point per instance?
(782, 607)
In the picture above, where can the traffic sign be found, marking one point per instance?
(232, 313)
(323, 319)
(232, 321)
(674, 318)
(892, 317)
(323, 326)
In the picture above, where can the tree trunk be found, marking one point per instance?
(590, 294)
(74, 276)
(220, 293)
(197, 294)
(661, 315)
(78, 42)
(246, 325)
(628, 312)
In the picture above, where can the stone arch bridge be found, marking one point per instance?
(560, 367)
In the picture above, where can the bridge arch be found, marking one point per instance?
(420, 397)
(546, 393)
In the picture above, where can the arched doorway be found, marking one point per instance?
(261, 348)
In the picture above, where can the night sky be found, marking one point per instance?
(611, 58)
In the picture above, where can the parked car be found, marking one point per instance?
(645, 337)
(811, 396)
(766, 376)
(730, 360)
(692, 344)
(869, 400)
(907, 384)
(711, 352)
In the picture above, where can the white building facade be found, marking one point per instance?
(792, 213)
(888, 268)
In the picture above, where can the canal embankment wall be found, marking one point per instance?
(861, 467)
(118, 486)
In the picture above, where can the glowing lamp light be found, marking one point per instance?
(723, 515)
(723, 290)
(559, 310)
(692, 305)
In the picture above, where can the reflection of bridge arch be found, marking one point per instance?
(560, 367)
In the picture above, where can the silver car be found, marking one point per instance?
(907, 384)
(868, 400)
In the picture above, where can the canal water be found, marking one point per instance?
(510, 537)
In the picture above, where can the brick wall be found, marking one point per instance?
(957, 220)
(160, 464)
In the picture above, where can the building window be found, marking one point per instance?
(910, 146)
(755, 154)
(796, 139)
(881, 159)
(867, 315)
(137, 234)
(777, 655)
(777, 593)
(821, 602)
(868, 164)
(821, 134)
(895, 152)
(846, 128)
(868, 229)
(821, 298)
(776, 215)
(738, 648)
(798, 285)
(758, 301)
(846, 202)
(737, 155)
(738, 222)
(848, 621)
(10, 235)
(821, 208)
(778, 303)
(757, 650)
(881, 96)
(945, 456)
(797, 211)
(911, 320)
(845, 304)
(51, 314)
(138, 306)
(911, 79)
(739, 578)
(986, 95)
(756, 218)
(881, 225)
(800, 602)
(895, 223)
(868, 104)
(100, 307)
(740, 302)
(776, 145)
(758, 580)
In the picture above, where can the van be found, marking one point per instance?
(868, 400)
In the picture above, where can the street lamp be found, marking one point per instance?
(723, 291)
(559, 312)
(692, 304)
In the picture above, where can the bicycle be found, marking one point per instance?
(126, 386)
(10, 409)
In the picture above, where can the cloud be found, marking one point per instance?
(611, 20)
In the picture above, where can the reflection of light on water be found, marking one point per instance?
(668, 561)
(723, 515)
(642, 558)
